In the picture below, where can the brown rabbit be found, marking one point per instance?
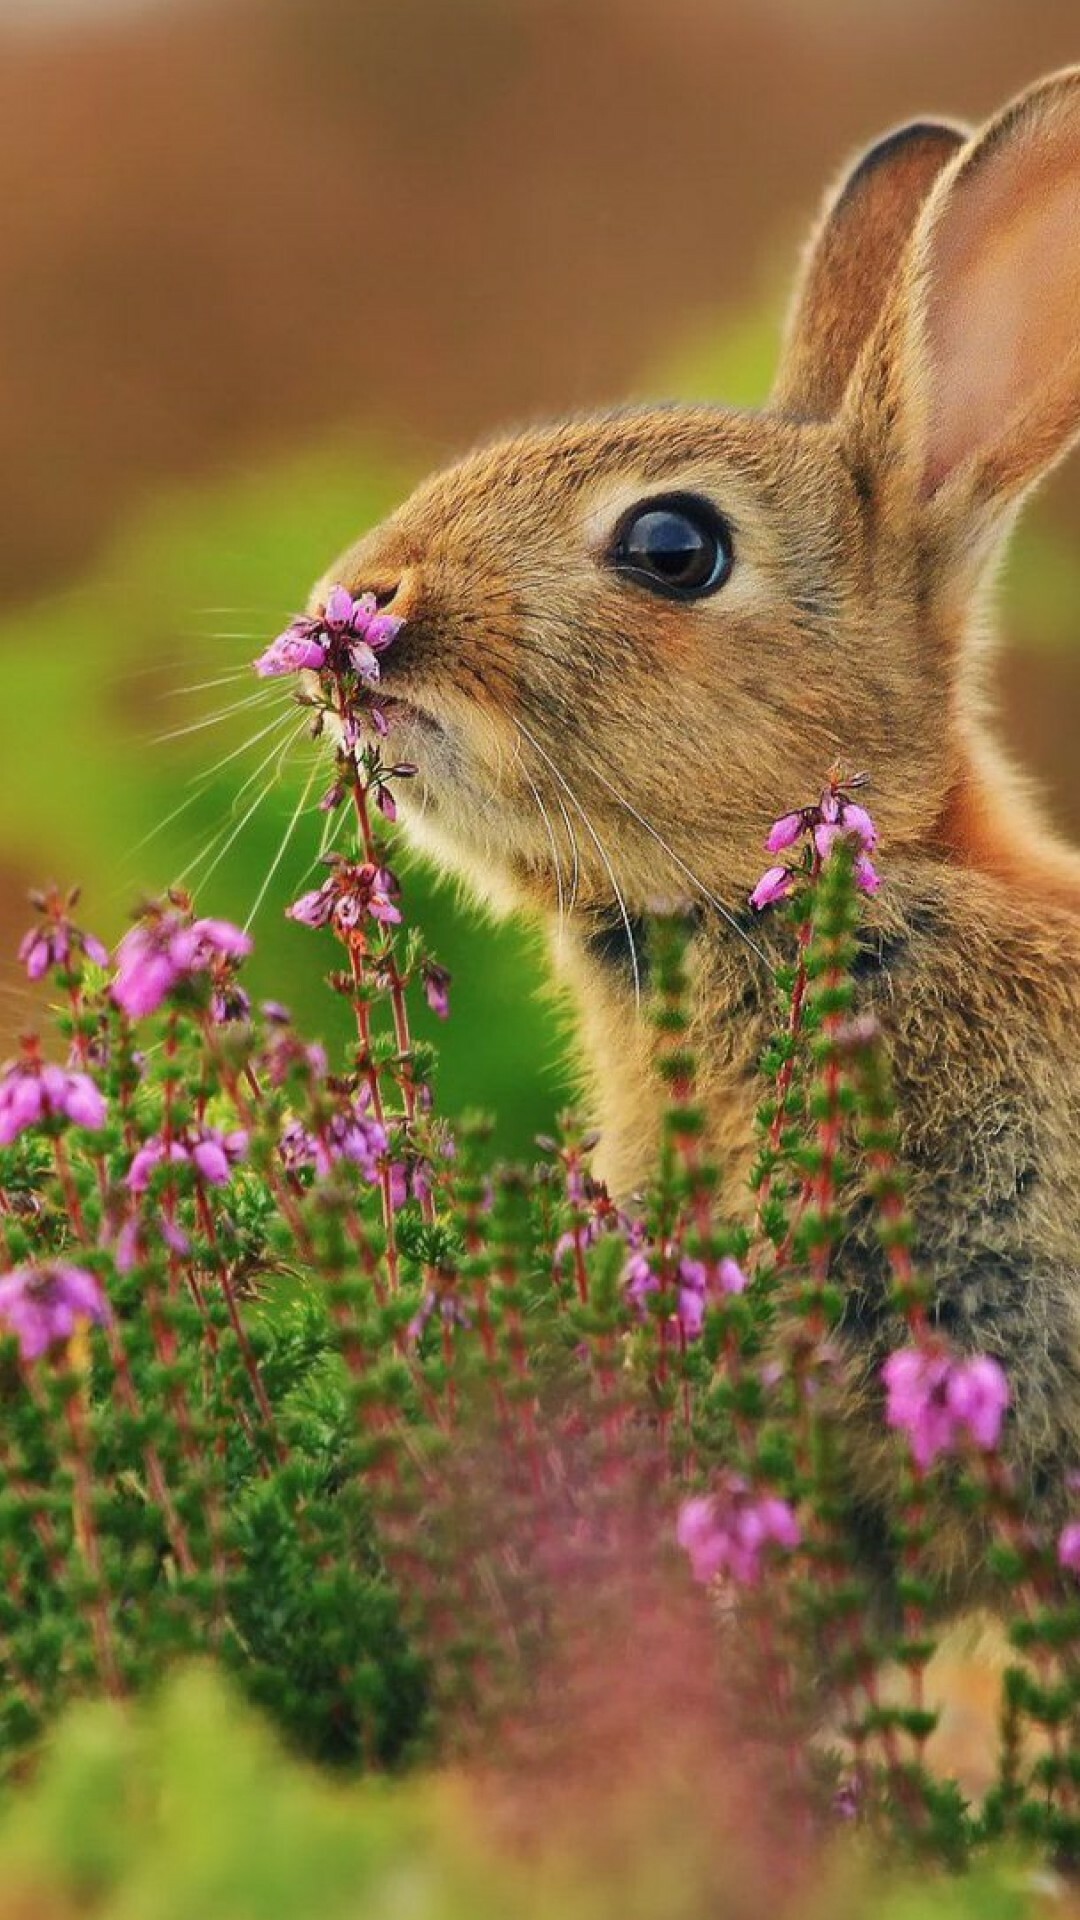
(633, 639)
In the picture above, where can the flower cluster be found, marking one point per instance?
(56, 941)
(32, 1091)
(729, 1532)
(355, 891)
(165, 948)
(212, 1153)
(43, 1306)
(350, 1134)
(347, 636)
(941, 1402)
(835, 816)
(694, 1284)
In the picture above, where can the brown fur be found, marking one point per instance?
(930, 377)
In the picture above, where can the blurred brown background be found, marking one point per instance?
(234, 230)
(228, 225)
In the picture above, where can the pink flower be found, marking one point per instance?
(354, 892)
(835, 817)
(729, 1532)
(348, 634)
(57, 939)
(941, 1402)
(978, 1399)
(1068, 1547)
(163, 949)
(867, 877)
(731, 1277)
(349, 1135)
(31, 1091)
(784, 832)
(437, 989)
(42, 1306)
(858, 823)
(212, 1154)
(774, 885)
(299, 648)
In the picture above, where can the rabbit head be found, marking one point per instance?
(630, 639)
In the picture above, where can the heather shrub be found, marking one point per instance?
(438, 1461)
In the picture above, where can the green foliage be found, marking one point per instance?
(188, 1808)
(290, 1378)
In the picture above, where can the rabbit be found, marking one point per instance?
(633, 639)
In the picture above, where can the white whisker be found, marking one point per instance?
(285, 839)
(718, 905)
(561, 905)
(213, 719)
(277, 752)
(601, 850)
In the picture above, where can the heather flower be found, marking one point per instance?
(351, 1134)
(162, 950)
(348, 634)
(42, 1306)
(784, 832)
(31, 1092)
(731, 1277)
(437, 988)
(692, 1287)
(940, 1402)
(53, 943)
(212, 1154)
(867, 877)
(354, 892)
(835, 817)
(731, 1531)
(776, 884)
(1068, 1547)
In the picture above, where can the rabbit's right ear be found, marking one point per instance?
(970, 389)
(852, 259)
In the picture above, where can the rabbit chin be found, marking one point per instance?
(499, 856)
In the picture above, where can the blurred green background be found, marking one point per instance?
(267, 261)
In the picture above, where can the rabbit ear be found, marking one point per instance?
(972, 387)
(851, 260)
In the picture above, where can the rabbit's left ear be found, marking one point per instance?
(971, 388)
(853, 256)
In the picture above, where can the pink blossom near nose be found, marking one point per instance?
(347, 634)
(297, 650)
(773, 886)
(43, 1306)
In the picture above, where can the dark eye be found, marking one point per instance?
(677, 545)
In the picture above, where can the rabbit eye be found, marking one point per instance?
(677, 545)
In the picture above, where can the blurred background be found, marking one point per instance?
(264, 262)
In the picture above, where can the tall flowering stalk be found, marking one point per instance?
(290, 1371)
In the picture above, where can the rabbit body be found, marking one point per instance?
(593, 742)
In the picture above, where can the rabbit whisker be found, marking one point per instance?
(283, 848)
(688, 873)
(600, 848)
